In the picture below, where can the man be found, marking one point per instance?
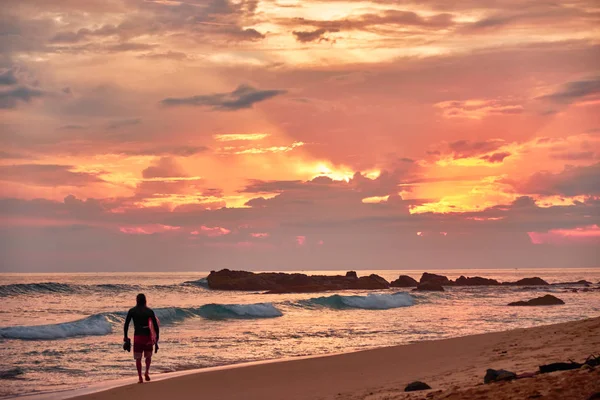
(142, 339)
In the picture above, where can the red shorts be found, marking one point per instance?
(142, 344)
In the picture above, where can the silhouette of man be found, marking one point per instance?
(142, 338)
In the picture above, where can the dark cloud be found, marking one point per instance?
(166, 167)
(8, 77)
(466, 148)
(12, 97)
(496, 157)
(170, 55)
(311, 36)
(387, 17)
(573, 91)
(244, 96)
(166, 150)
(47, 175)
(572, 181)
(123, 123)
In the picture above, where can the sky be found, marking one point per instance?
(172, 135)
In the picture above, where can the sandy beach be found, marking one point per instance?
(454, 368)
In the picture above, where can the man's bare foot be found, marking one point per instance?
(147, 377)
(141, 380)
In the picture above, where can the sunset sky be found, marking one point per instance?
(288, 134)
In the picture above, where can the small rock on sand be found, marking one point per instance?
(416, 385)
(495, 375)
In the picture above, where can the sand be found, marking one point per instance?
(454, 368)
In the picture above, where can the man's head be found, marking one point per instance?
(141, 300)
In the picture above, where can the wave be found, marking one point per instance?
(19, 289)
(43, 287)
(94, 325)
(202, 282)
(239, 311)
(372, 301)
(103, 323)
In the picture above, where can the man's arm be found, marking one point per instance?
(127, 321)
(156, 327)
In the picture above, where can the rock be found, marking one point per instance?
(430, 287)
(547, 300)
(493, 375)
(433, 278)
(476, 281)
(580, 282)
(273, 282)
(416, 385)
(404, 281)
(351, 274)
(528, 282)
(371, 282)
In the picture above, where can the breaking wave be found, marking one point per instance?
(203, 282)
(94, 325)
(239, 311)
(102, 324)
(372, 301)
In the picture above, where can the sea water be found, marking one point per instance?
(65, 331)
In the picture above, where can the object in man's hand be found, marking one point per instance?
(156, 348)
(127, 344)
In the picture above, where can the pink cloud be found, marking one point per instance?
(211, 232)
(148, 229)
(587, 234)
(259, 235)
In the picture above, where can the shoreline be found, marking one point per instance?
(442, 363)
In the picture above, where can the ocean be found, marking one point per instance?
(65, 331)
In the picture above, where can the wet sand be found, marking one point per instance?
(454, 368)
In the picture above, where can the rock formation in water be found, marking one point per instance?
(547, 300)
(404, 281)
(278, 282)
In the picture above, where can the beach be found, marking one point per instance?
(454, 368)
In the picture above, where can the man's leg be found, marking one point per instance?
(138, 364)
(148, 355)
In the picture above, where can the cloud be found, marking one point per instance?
(47, 175)
(243, 97)
(496, 157)
(166, 150)
(10, 98)
(370, 20)
(233, 137)
(574, 155)
(572, 181)
(311, 36)
(8, 77)
(574, 91)
(166, 167)
(478, 108)
(170, 55)
(123, 123)
(9, 155)
(466, 148)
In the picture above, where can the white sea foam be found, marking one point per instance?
(91, 326)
